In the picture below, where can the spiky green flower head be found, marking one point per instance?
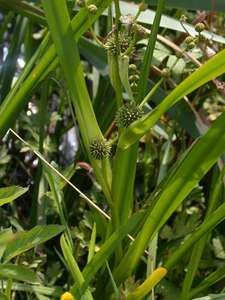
(127, 114)
(100, 148)
(123, 43)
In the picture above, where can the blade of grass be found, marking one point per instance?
(91, 250)
(211, 69)
(143, 82)
(214, 197)
(26, 240)
(17, 272)
(10, 193)
(43, 290)
(74, 268)
(214, 277)
(9, 65)
(25, 9)
(58, 200)
(211, 222)
(38, 206)
(107, 249)
(28, 68)
(153, 245)
(115, 288)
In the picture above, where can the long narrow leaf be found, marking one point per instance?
(107, 249)
(8, 194)
(73, 267)
(149, 51)
(67, 50)
(174, 190)
(26, 240)
(211, 69)
(19, 273)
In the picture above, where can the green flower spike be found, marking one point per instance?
(100, 148)
(127, 114)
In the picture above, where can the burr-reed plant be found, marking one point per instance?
(110, 127)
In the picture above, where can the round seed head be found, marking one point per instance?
(67, 296)
(110, 45)
(133, 78)
(191, 45)
(124, 41)
(132, 67)
(92, 9)
(199, 27)
(127, 114)
(134, 86)
(100, 148)
(81, 3)
(189, 39)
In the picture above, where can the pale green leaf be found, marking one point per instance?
(28, 239)
(20, 273)
(8, 194)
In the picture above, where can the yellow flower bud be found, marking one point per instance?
(67, 296)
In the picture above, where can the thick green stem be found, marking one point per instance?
(67, 50)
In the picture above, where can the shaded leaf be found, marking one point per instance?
(29, 239)
(20, 273)
(8, 194)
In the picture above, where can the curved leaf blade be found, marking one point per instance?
(210, 70)
(173, 190)
(19, 273)
(29, 239)
(8, 194)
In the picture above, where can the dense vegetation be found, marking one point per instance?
(112, 127)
